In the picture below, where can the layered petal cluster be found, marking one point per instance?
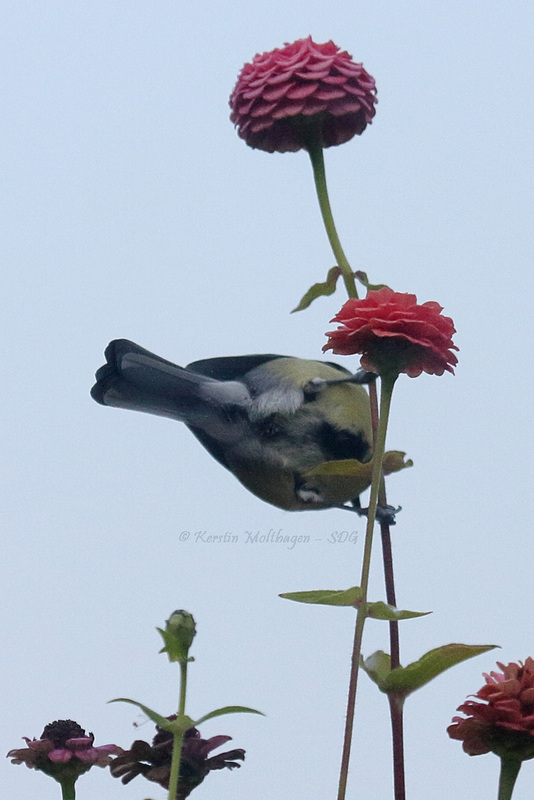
(395, 334)
(302, 91)
(154, 761)
(501, 717)
(64, 748)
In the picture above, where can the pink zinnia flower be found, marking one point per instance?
(395, 334)
(501, 718)
(299, 92)
(64, 750)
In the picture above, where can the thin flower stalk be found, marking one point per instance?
(68, 789)
(178, 737)
(319, 174)
(385, 533)
(395, 706)
(388, 382)
(509, 771)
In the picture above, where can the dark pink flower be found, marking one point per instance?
(154, 761)
(395, 334)
(501, 718)
(299, 92)
(63, 751)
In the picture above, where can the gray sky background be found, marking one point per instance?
(130, 208)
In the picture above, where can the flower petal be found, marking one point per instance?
(340, 97)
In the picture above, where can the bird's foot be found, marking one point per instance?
(384, 514)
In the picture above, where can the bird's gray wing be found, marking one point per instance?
(230, 368)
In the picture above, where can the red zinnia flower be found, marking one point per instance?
(300, 91)
(501, 719)
(395, 334)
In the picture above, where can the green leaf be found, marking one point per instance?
(405, 680)
(347, 478)
(326, 597)
(394, 461)
(351, 597)
(364, 280)
(324, 289)
(183, 722)
(382, 610)
(228, 710)
(377, 666)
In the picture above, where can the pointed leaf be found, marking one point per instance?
(351, 597)
(324, 289)
(228, 710)
(405, 680)
(382, 610)
(371, 287)
(326, 597)
(377, 666)
(162, 722)
(153, 715)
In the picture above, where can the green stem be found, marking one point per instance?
(183, 687)
(388, 383)
(68, 792)
(178, 737)
(317, 159)
(509, 771)
(395, 703)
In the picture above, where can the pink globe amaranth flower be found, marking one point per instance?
(299, 92)
(501, 718)
(64, 750)
(395, 334)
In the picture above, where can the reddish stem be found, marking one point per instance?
(395, 703)
(395, 710)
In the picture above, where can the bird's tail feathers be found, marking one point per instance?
(136, 379)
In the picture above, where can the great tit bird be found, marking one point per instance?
(271, 420)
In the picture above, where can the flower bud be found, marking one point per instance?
(180, 630)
